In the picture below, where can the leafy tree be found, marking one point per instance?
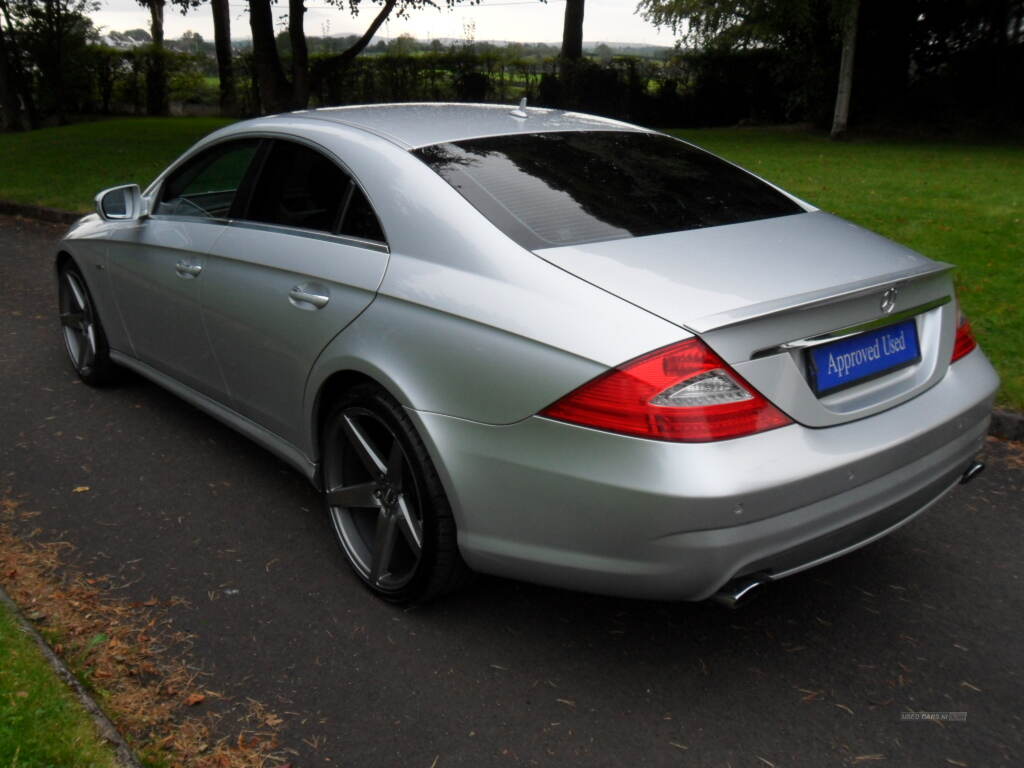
(403, 45)
(603, 53)
(48, 44)
(971, 51)
(807, 31)
(277, 92)
(156, 72)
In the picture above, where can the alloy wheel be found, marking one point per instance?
(77, 322)
(374, 500)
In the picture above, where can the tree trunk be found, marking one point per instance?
(10, 109)
(337, 63)
(225, 67)
(572, 32)
(300, 56)
(274, 88)
(156, 72)
(842, 112)
(21, 81)
(55, 28)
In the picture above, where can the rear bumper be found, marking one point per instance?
(582, 509)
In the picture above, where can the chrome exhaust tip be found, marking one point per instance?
(972, 472)
(739, 592)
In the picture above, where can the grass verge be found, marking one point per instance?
(42, 724)
(960, 203)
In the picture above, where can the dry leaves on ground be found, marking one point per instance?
(125, 651)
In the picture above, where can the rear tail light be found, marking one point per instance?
(965, 341)
(682, 393)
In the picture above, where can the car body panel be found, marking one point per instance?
(687, 277)
(158, 303)
(266, 341)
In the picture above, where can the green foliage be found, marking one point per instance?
(188, 80)
(41, 723)
(51, 40)
(917, 60)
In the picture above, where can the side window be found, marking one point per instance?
(206, 185)
(299, 187)
(360, 220)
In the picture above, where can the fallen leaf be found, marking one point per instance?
(22, 694)
(273, 720)
(80, 489)
(195, 698)
(151, 602)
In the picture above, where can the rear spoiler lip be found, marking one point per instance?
(814, 299)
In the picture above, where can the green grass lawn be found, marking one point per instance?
(959, 203)
(41, 723)
(65, 167)
(956, 202)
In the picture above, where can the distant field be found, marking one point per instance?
(959, 203)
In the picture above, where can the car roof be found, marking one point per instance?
(421, 124)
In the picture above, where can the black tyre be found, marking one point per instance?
(81, 328)
(386, 502)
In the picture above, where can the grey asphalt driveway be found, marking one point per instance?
(817, 672)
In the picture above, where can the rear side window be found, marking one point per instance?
(205, 186)
(299, 187)
(552, 189)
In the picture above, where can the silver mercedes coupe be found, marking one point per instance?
(537, 344)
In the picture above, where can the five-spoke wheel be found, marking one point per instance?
(80, 324)
(385, 501)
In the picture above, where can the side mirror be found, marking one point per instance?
(124, 203)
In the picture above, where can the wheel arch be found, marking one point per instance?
(63, 257)
(334, 386)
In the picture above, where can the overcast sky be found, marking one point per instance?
(522, 20)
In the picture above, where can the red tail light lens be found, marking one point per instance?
(965, 341)
(682, 393)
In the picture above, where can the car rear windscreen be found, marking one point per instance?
(551, 189)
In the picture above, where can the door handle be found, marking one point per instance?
(184, 269)
(300, 294)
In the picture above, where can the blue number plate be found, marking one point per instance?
(866, 356)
